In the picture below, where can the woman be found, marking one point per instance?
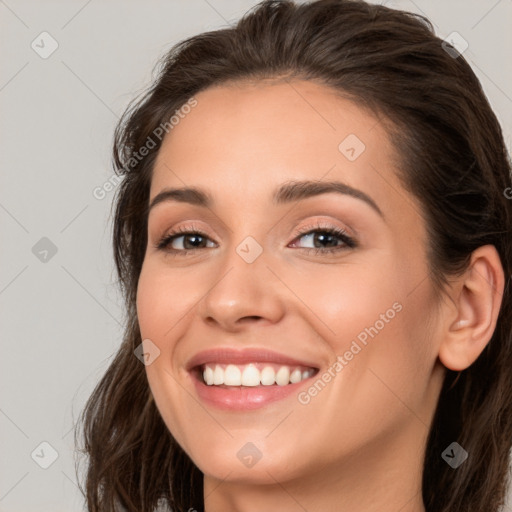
(313, 238)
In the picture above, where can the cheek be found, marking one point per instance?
(392, 369)
(159, 310)
(343, 300)
(379, 321)
(162, 300)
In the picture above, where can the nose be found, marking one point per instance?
(242, 295)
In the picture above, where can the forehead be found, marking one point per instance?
(252, 137)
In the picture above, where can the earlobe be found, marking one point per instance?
(477, 296)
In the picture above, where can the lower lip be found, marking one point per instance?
(244, 398)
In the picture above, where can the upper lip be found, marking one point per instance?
(242, 356)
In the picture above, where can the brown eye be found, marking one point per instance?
(325, 239)
(190, 240)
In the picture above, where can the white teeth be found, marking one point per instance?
(249, 375)
(232, 376)
(218, 375)
(268, 376)
(283, 376)
(208, 375)
(295, 376)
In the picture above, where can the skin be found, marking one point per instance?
(358, 444)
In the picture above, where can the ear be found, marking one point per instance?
(477, 296)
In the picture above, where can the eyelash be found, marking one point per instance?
(348, 242)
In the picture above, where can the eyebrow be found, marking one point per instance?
(286, 193)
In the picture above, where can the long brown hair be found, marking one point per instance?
(452, 158)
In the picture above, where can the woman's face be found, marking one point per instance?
(265, 291)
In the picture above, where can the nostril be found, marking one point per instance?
(254, 317)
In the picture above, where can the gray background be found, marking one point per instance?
(61, 319)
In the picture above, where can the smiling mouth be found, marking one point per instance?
(257, 374)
